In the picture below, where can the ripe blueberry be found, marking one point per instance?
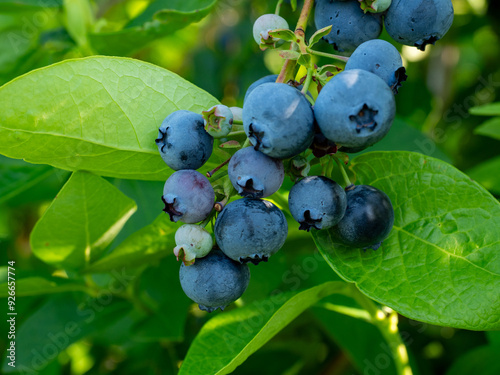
(183, 142)
(317, 202)
(381, 58)
(350, 25)
(278, 120)
(418, 22)
(250, 230)
(355, 109)
(188, 196)
(254, 174)
(215, 281)
(368, 219)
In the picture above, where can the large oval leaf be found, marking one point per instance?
(441, 262)
(83, 219)
(147, 245)
(99, 114)
(230, 338)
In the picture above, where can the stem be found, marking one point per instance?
(342, 170)
(238, 132)
(300, 30)
(308, 81)
(211, 173)
(278, 7)
(209, 218)
(388, 327)
(246, 144)
(304, 17)
(328, 55)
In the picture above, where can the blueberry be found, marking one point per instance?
(254, 174)
(215, 281)
(188, 197)
(183, 142)
(192, 241)
(381, 58)
(355, 109)
(250, 230)
(368, 219)
(278, 120)
(317, 202)
(350, 25)
(418, 22)
(266, 23)
(267, 79)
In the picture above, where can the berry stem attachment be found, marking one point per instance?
(308, 81)
(347, 182)
(328, 55)
(211, 173)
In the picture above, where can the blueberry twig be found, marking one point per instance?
(289, 65)
(387, 323)
(347, 182)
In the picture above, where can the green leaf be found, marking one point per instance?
(83, 219)
(228, 339)
(492, 109)
(142, 247)
(171, 306)
(440, 263)
(78, 19)
(17, 176)
(490, 128)
(33, 286)
(284, 34)
(7, 5)
(293, 3)
(160, 18)
(99, 114)
(316, 37)
(481, 361)
(487, 174)
(57, 324)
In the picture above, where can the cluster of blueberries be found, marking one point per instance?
(353, 111)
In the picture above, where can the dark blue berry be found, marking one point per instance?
(368, 219)
(215, 281)
(183, 142)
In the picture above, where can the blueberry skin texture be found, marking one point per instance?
(381, 58)
(419, 22)
(317, 202)
(267, 79)
(278, 120)
(188, 197)
(368, 219)
(350, 25)
(183, 142)
(254, 174)
(355, 109)
(250, 230)
(215, 281)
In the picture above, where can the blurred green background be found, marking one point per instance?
(219, 55)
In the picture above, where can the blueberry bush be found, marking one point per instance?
(225, 186)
